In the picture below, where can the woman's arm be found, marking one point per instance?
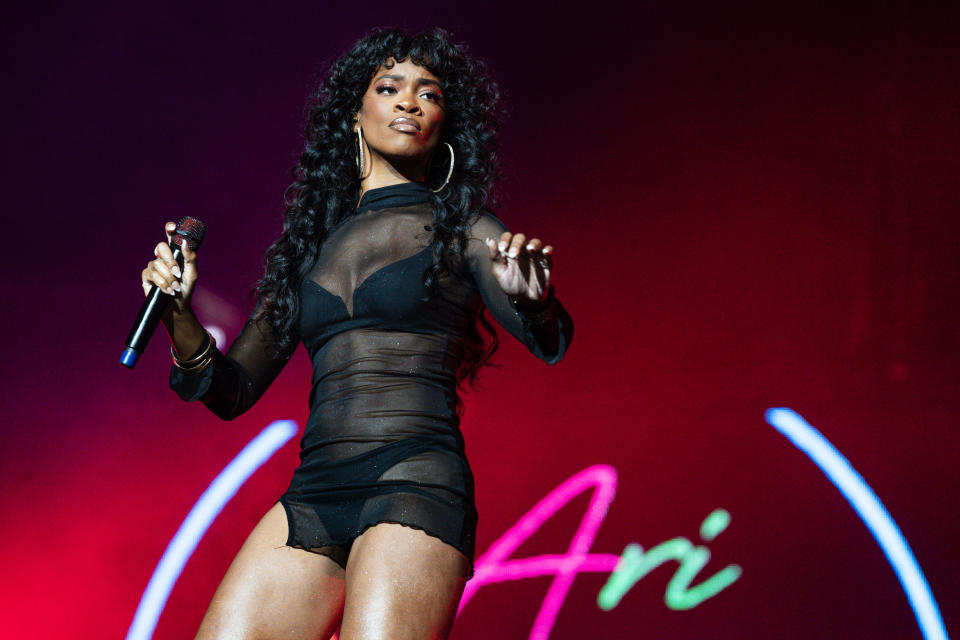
(516, 289)
(235, 381)
(231, 383)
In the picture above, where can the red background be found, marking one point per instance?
(751, 208)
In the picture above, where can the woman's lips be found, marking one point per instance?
(405, 124)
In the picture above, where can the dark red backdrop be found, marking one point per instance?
(751, 208)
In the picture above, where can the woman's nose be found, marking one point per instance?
(408, 105)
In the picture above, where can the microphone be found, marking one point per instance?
(189, 230)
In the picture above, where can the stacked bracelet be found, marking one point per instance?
(198, 362)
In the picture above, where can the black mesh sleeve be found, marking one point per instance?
(546, 330)
(235, 381)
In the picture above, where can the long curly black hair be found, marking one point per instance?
(325, 184)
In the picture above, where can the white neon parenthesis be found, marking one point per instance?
(195, 525)
(868, 506)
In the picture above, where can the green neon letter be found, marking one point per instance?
(635, 564)
(680, 597)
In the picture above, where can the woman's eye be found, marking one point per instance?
(430, 95)
(387, 89)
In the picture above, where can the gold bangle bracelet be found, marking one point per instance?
(198, 359)
(197, 368)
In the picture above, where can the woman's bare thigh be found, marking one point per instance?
(275, 591)
(402, 584)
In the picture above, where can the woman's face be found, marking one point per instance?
(402, 112)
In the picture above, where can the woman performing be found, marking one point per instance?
(388, 258)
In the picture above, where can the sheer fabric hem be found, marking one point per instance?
(339, 550)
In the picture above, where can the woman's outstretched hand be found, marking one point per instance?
(521, 267)
(165, 272)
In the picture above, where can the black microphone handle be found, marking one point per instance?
(147, 319)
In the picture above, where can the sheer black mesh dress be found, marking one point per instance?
(382, 443)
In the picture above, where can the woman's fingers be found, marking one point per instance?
(165, 273)
(493, 249)
(514, 244)
(146, 283)
(545, 257)
(189, 255)
(189, 267)
(158, 274)
(504, 243)
(165, 253)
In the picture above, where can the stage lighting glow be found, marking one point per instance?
(195, 525)
(868, 506)
(217, 333)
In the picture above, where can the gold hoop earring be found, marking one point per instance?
(449, 171)
(360, 160)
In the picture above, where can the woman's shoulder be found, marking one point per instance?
(487, 225)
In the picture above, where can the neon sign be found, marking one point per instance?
(496, 565)
(680, 596)
(201, 516)
(868, 506)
